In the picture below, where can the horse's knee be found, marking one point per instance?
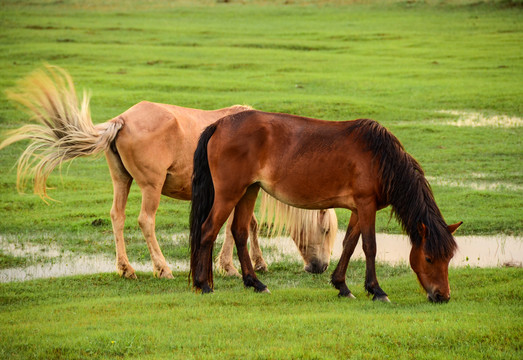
(145, 221)
(117, 216)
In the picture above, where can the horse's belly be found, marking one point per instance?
(310, 198)
(177, 188)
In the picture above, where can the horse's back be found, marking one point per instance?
(304, 162)
(157, 143)
(146, 120)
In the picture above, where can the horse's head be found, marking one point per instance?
(432, 272)
(316, 251)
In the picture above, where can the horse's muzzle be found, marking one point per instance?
(316, 267)
(437, 297)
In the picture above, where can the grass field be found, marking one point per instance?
(445, 76)
(103, 316)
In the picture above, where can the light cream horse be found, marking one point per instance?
(150, 143)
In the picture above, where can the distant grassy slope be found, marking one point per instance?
(397, 62)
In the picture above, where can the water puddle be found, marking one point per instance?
(52, 261)
(474, 251)
(475, 119)
(475, 185)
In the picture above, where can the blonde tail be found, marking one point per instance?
(63, 130)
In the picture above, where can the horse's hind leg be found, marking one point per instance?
(240, 230)
(150, 202)
(202, 267)
(224, 261)
(255, 251)
(349, 244)
(121, 185)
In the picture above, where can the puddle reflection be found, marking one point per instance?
(475, 251)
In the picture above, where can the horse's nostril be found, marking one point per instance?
(316, 267)
(438, 298)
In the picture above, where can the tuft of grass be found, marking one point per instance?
(8, 261)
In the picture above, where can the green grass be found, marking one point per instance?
(399, 62)
(102, 316)
(9, 261)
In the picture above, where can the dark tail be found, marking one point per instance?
(202, 199)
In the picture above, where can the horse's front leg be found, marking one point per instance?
(349, 244)
(368, 230)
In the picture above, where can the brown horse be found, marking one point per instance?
(152, 144)
(315, 164)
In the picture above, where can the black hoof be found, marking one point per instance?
(264, 290)
(344, 290)
(206, 289)
(383, 298)
(259, 287)
(346, 295)
(251, 281)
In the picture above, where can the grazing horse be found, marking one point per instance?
(152, 144)
(315, 164)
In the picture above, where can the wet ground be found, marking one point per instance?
(474, 251)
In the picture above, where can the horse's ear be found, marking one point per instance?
(422, 229)
(454, 227)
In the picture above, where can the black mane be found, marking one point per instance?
(406, 189)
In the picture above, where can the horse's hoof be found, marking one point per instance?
(345, 295)
(163, 274)
(206, 290)
(383, 298)
(168, 275)
(261, 268)
(230, 271)
(233, 273)
(261, 288)
(127, 273)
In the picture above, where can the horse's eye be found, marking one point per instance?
(429, 260)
